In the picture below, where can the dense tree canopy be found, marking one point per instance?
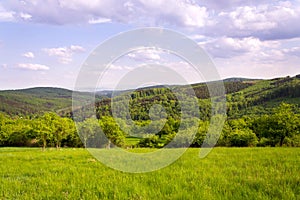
(257, 116)
(281, 127)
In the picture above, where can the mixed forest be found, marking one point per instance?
(258, 113)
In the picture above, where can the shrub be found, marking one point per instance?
(242, 138)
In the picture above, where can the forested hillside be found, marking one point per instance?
(250, 104)
(36, 101)
(259, 113)
(244, 97)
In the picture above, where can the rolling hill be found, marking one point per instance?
(244, 96)
(36, 100)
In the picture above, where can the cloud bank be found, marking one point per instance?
(265, 20)
(254, 35)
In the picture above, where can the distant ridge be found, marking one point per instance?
(35, 101)
(235, 79)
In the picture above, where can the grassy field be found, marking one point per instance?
(226, 173)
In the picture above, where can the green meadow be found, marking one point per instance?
(226, 173)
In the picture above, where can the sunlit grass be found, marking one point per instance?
(131, 141)
(226, 173)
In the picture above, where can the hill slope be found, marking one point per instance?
(244, 96)
(36, 100)
(264, 95)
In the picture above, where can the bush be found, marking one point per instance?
(292, 142)
(265, 142)
(152, 141)
(242, 138)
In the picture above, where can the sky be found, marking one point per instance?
(45, 43)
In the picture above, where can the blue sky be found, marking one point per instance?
(44, 43)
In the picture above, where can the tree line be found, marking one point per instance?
(279, 128)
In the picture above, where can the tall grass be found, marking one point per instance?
(226, 173)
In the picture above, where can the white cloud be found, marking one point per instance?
(198, 37)
(269, 60)
(179, 12)
(295, 51)
(33, 67)
(25, 16)
(272, 56)
(64, 54)
(69, 12)
(251, 18)
(76, 49)
(265, 65)
(226, 47)
(28, 55)
(145, 55)
(99, 20)
(263, 19)
(119, 67)
(272, 20)
(6, 15)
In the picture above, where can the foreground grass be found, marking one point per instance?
(226, 173)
